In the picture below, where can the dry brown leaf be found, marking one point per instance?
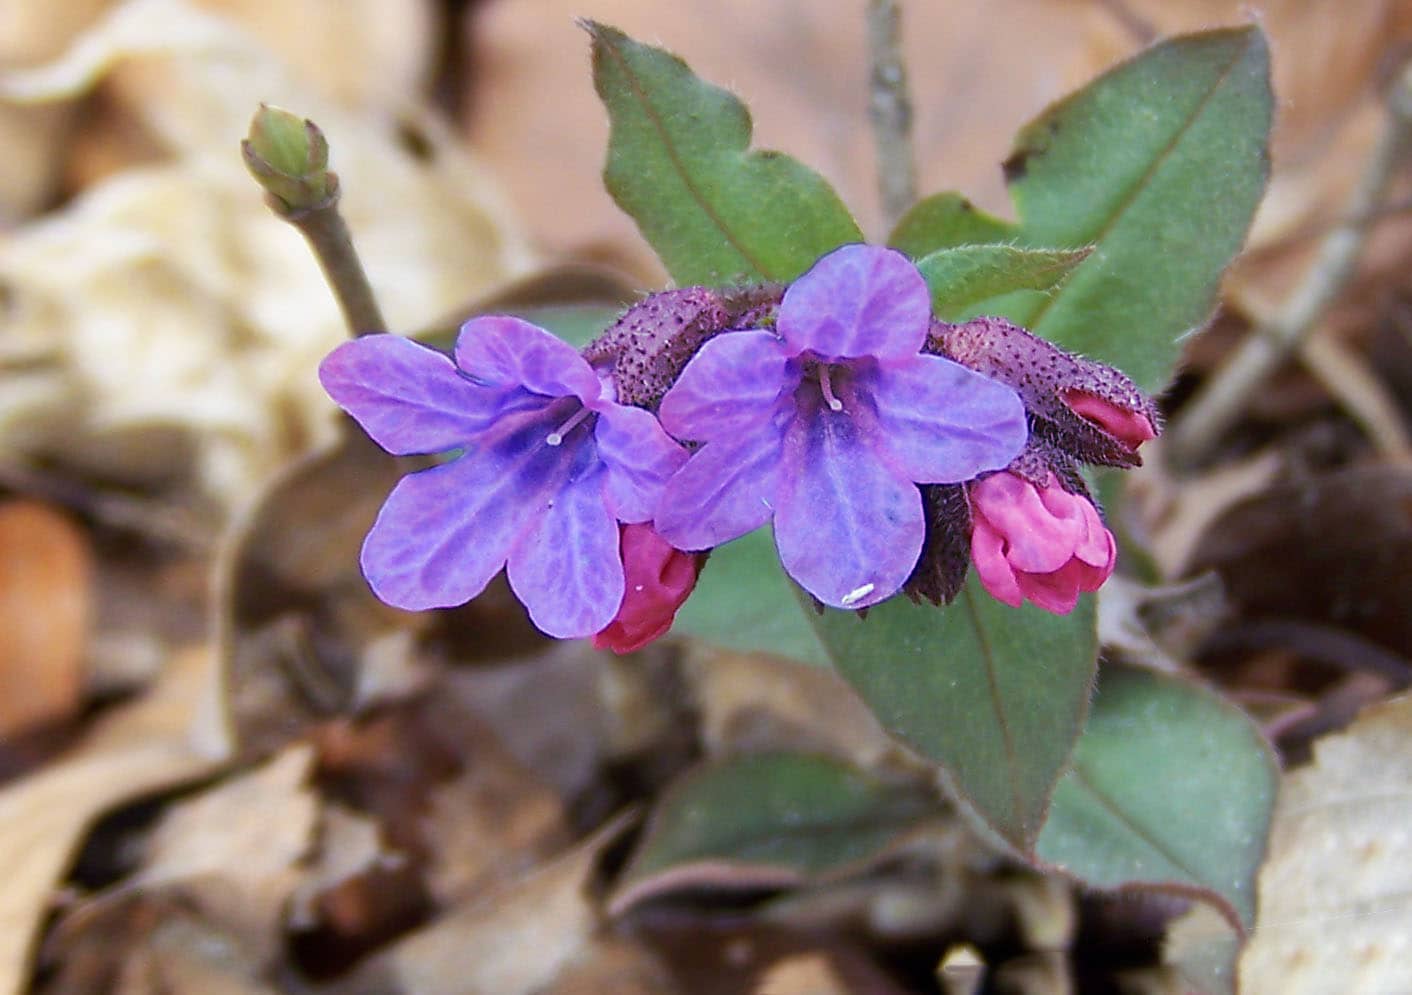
(164, 739)
(363, 53)
(978, 69)
(614, 966)
(236, 849)
(758, 703)
(511, 940)
(803, 974)
(169, 298)
(35, 139)
(45, 607)
(1335, 915)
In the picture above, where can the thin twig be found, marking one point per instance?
(1224, 397)
(327, 233)
(1365, 398)
(890, 110)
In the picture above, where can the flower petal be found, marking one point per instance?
(848, 529)
(1041, 531)
(942, 422)
(729, 387)
(443, 533)
(567, 570)
(408, 397)
(995, 572)
(859, 300)
(725, 490)
(641, 458)
(505, 351)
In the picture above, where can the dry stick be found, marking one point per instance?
(890, 111)
(1217, 405)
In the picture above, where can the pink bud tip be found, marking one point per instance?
(659, 578)
(1132, 428)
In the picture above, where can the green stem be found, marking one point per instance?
(327, 233)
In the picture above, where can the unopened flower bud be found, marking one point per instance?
(288, 156)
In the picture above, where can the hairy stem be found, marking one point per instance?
(327, 233)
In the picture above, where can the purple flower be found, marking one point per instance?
(827, 425)
(551, 465)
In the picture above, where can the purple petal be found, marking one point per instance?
(567, 571)
(641, 458)
(408, 397)
(942, 422)
(848, 529)
(506, 351)
(725, 490)
(860, 300)
(445, 532)
(730, 386)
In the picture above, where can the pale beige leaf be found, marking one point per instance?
(1336, 889)
(168, 298)
(145, 747)
(512, 940)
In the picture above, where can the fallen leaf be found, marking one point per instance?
(510, 940)
(45, 609)
(236, 850)
(1334, 908)
(162, 740)
(803, 974)
(168, 297)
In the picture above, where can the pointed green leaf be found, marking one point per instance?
(966, 280)
(769, 820)
(995, 695)
(1171, 788)
(679, 162)
(1159, 165)
(946, 220)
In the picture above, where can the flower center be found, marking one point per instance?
(556, 437)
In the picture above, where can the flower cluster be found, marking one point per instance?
(887, 449)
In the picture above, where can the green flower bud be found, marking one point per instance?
(288, 156)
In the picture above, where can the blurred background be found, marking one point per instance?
(224, 768)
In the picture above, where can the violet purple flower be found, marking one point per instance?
(551, 465)
(827, 424)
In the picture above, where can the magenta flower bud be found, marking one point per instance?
(659, 578)
(1037, 542)
(1130, 427)
(1090, 411)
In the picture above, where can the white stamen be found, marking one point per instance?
(826, 387)
(556, 437)
(856, 595)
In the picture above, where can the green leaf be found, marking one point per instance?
(769, 820)
(744, 602)
(995, 695)
(1171, 788)
(1158, 164)
(679, 162)
(943, 221)
(966, 280)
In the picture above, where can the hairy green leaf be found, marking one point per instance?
(768, 820)
(967, 280)
(679, 162)
(1171, 788)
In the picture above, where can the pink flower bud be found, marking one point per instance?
(1040, 543)
(1130, 427)
(659, 578)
